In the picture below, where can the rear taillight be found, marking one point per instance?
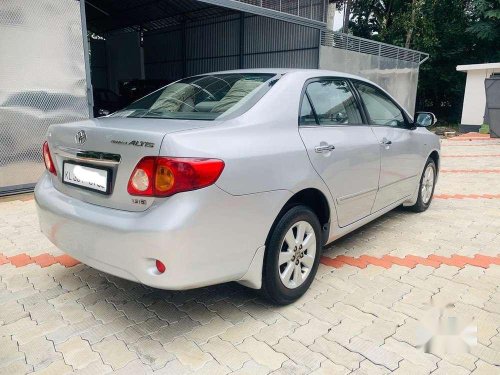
(47, 159)
(162, 176)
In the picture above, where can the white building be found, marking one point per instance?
(475, 94)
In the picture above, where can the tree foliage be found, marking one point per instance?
(453, 32)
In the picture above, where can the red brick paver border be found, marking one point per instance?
(43, 260)
(386, 261)
(472, 156)
(469, 171)
(411, 261)
(466, 196)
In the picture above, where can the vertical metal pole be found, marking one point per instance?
(184, 48)
(85, 41)
(242, 40)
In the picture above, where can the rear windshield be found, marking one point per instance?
(204, 97)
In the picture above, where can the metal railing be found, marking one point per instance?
(371, 47)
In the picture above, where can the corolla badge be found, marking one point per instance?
(81, 137)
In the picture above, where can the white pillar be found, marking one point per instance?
(330, 15)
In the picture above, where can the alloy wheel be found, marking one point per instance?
(427, 184)
(297, 255)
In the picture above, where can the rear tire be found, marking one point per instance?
(292, 256)
(426, 187)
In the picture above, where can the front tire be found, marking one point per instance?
(426, 187)
(292, 255)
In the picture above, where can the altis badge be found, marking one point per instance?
(134, 143)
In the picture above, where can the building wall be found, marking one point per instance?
(398, 77)
(475, 96)
(42, 82)
(216, 45)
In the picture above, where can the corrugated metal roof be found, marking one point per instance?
(105, 16)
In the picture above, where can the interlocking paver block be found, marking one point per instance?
(58, 367)
(374, 353)
(9, 352)
(337, 353)
(293, 314)
(17, 326)
(299, 353)
(321, 313)
(77, 353)
(198, 312)
(213, 367)
(133, 333)
(260, 312)
(40, 330)
(273, 333)
(151, 352)
(169, 332)
(16, 367)
(44, 260)
(188, 353)
(205, 332)
(96, 367)
(104, 311)
(445, 368)
(412, 354)
(226, 353)
(114, 352)
(138, 368)
(252, 368)
(167, 311)
(73, 312)
(135, 311)
(379, 331)
(98, 332)
(309, 332)
(330, 368)
(368, 368)
(68, 331)
(290, 367)
(262, 353)
(486, 354)
(241, 331)
(228, 311)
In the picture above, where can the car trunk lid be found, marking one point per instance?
(112, 147)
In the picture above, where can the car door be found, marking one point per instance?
(343, 150)
(400, 157)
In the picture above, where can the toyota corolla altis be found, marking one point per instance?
(233, 176)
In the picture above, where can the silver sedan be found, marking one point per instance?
(233, 176)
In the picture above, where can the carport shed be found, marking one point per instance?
(59, 50)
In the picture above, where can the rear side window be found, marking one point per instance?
(380, 108)
(333, 103)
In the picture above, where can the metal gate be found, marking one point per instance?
(42, 82)
(492, 117)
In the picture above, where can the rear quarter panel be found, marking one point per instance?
(262, 149)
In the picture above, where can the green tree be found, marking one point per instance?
(453, 32)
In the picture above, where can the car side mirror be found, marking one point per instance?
(425, 119)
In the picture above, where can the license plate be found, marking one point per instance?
(83, 176)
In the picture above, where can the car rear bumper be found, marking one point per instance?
(203, 237)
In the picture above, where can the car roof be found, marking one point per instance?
(308, 72)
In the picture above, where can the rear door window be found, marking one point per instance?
(381, 109)
(333, 102)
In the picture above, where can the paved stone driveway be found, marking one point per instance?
(363, 315)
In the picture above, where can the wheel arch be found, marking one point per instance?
(434, 155)
(316, 200)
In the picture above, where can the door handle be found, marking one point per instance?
(324, 148)
(385, 141)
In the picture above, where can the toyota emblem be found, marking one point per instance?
(80, 137)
